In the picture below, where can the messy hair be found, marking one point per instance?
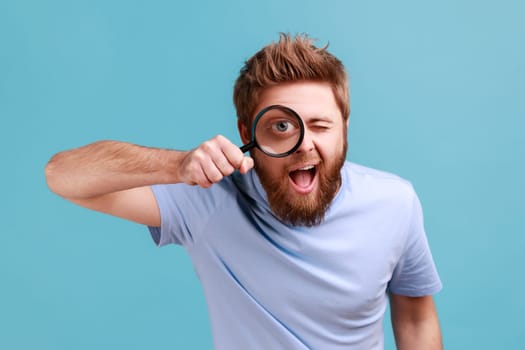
(291, 59)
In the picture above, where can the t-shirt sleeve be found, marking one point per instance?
(183, 210)
(415, 274)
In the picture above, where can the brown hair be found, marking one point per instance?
(289, 60)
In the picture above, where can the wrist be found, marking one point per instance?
(171, 166)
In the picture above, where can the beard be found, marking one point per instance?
(302, 210)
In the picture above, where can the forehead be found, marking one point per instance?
(309, 99)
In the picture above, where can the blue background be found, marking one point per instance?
(437, 97)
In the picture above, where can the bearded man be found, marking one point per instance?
(296, 252)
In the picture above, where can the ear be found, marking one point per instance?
(243, 132)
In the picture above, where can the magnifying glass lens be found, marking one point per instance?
(278, 131)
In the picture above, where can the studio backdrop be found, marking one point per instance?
(437, 97)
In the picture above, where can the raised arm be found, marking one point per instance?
(115, 177)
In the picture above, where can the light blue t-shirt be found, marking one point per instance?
(269, 285)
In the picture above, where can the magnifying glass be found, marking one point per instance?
(277, 131)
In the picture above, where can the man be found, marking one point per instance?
(299, 252)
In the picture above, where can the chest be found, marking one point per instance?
(338, 275)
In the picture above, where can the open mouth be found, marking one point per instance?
(303, 179)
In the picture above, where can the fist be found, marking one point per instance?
(210, 162)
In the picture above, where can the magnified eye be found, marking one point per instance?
(278, 131)
(282, 126)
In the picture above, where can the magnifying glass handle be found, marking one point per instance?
(245, 148)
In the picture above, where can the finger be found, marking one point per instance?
(212, 173)
(213, 160)
(233, 155)
(246, 165)
(217, 150)
(223, 164)
(194, 167)
(202, 180)
(197, 177)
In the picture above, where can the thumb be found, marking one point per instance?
(246, 165)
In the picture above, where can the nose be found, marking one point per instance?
(308, 143)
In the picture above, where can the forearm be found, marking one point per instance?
(109, 166)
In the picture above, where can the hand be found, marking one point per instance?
(212, 161)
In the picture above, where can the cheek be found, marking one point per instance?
(330, 146)
(270, 166)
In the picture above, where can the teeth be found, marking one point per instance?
(308, 167)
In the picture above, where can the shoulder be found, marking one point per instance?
(377, 186)
(358, 175)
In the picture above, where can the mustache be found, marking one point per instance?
(294, 159)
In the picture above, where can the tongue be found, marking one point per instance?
(302, 178)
